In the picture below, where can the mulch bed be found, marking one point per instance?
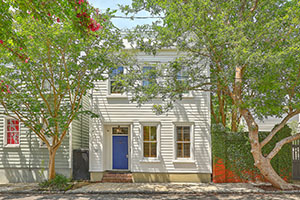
(272, 188)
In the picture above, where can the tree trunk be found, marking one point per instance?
(234, 123)
(261, 162)
(51, 174)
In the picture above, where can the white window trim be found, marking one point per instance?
(192, 143)
(156, 159)
(152, 67)
(189, 94)
(5, 134)
(115, 95)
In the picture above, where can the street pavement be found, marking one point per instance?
(149, 196)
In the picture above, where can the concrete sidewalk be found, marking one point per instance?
(167, 188)
(146, 188)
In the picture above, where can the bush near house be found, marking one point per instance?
(233, 161)
(59, 183)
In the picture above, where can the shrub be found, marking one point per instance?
(59, 183)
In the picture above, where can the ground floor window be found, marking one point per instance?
(12, 132)
(150, 141)
(183, 141)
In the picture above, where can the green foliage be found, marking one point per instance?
(49, 76)
(234, 149)
(251, 47)
(45, 77)
(59, 183)
(46, 12)
(260, 37)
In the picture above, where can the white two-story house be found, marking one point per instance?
(174, 147)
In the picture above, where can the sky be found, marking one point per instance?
(121, 23)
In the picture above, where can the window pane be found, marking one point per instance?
(12, 125)
(13, 138)
(183, 133)
(179, 150)
(146, 133)
(13, 132)
(150, 78)
(187, 150)
(186, 133)
(182, 75)
(179, 133)
(153, 149)
(120, 130)
(146, 149)
(116, 72)
(153, 133)
(116, 87)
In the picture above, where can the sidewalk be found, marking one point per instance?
(147, 188)
(162, 188)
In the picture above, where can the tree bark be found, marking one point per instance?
(52, 153)
(234, 120)
(261, 162)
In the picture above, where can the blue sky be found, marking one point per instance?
(120, 23)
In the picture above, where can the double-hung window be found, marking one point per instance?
(183, 141)
(12, 133)
(150, 141)
(182, 78)
(115, 87)
(149, 77)
(183, 75)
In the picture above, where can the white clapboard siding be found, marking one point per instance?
(193, 110)
(29, 154)
(80, 128)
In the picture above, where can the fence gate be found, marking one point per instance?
(296, 159)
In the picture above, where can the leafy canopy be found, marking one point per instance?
(45, 80)
(261, 38)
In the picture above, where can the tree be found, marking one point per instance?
(44, 82)
(77, 12)
(252, 48)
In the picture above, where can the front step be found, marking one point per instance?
(117, 177)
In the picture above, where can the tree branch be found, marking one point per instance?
(278, 128)
(282, 142)
(254, 6)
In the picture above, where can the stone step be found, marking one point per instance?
(117, 177)
(116, 181)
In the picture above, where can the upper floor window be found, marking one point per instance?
(115, 87)
(183, 141)
(150, 141)
(149, 77)
(12, 134)
(183, 74)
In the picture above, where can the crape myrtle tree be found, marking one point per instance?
(252, 49)
(44, 81)
(77, 12)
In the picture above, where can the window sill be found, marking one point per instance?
(154, 160)
(117, 96)
(184, 161)
(11, 146)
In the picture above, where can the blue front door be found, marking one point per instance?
(120, 152)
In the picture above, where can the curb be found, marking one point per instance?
(148, 192)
